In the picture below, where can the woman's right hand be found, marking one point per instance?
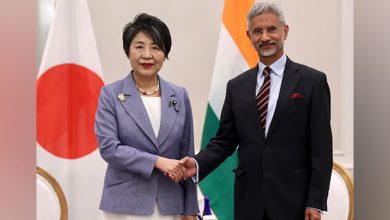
(173, 168)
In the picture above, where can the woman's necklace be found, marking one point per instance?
(149, 93)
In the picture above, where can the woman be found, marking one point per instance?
(144, 126)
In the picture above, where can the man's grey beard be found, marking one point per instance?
(268, 52)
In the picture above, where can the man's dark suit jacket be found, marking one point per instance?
(289, 169)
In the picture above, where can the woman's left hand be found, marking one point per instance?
(189, 217)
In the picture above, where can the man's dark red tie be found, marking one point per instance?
(263, 97)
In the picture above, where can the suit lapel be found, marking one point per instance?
(136, 109)
(250, 92)
(170, 106)
(289, 82)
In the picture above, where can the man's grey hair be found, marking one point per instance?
(265, 7)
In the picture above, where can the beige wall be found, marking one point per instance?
(372, 107)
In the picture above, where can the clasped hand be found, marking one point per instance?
(176, 169)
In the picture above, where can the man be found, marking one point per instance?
(279, 122)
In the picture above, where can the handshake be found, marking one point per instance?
(177, 169)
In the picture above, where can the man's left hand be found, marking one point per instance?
(312, 214)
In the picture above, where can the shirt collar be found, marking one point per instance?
(277, 67)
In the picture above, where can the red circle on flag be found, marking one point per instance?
(67, 97)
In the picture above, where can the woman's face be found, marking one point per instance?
(146, 58)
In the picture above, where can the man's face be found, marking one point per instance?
(267, 35)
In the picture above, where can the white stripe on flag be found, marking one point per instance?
(68, 40)
(229, 63)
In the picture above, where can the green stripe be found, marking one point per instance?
(218, 185)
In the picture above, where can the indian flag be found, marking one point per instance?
(234, 55)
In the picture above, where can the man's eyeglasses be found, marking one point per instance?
(269, 30)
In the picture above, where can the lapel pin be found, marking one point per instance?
(122, 97)
(174, 102)
(175, 105)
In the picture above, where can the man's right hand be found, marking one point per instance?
(190, 165)
(173, 168)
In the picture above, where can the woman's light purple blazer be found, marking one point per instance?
(128, 144)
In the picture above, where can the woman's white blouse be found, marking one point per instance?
(153, 108)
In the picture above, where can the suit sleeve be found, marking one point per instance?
(187, 149)
(321, 145)
(111, 149)
(223, 144)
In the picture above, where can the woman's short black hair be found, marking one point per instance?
(151, 26)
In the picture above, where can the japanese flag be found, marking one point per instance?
(68, 86)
